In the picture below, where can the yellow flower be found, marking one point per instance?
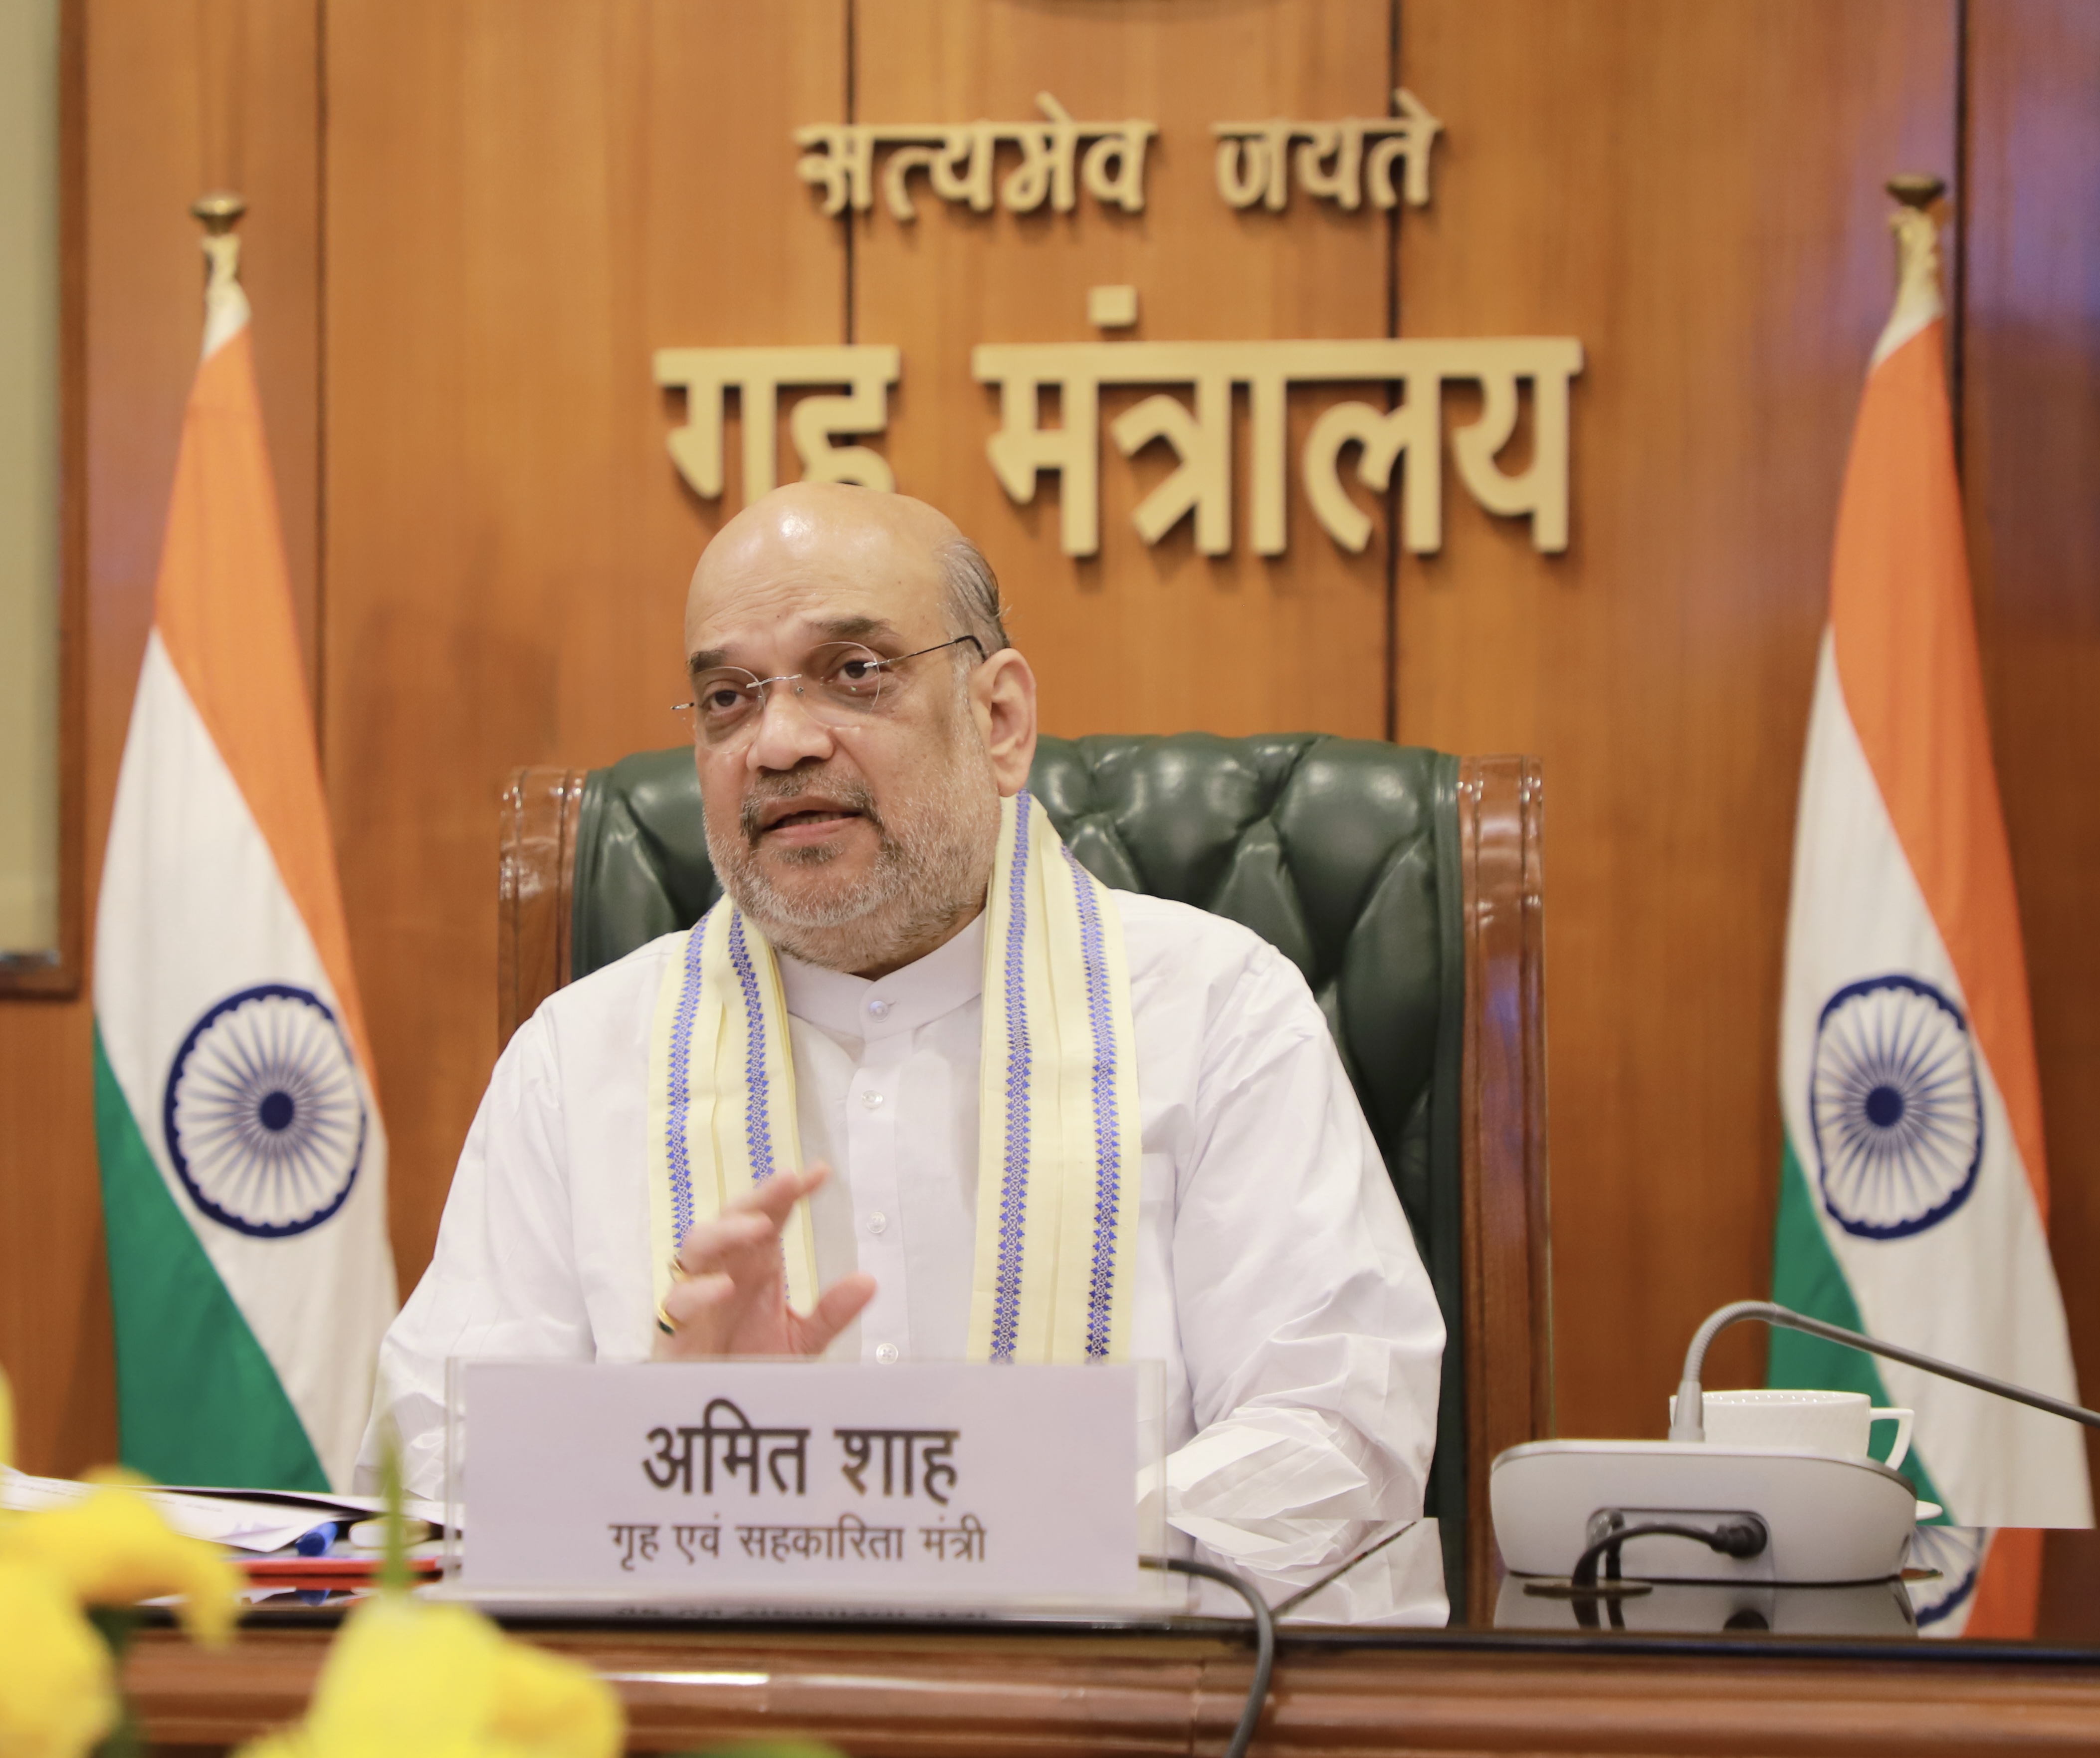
(408, 1678)
(111, 1548)
(58, 1684)
(554, 1708)
(58, 1690)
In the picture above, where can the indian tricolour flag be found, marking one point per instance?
(1913, 1195)
(243, 1165)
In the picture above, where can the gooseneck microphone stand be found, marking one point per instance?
(1689, 1423)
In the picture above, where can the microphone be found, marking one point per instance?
(1689, 1423)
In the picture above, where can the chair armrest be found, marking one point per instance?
(535, 892)
(1508, 1275)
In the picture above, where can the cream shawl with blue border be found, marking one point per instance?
(1058, 1155)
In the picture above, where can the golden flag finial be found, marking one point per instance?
(1913, 189)
(1918, 299)
(226, 305)
(219, 211)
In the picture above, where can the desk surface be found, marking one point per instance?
(893, 1688)
(984, 1689)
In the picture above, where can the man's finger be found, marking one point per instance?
(702, 1312)
(703, 1296)
(736, 1243)
(840, 1305)
(751, 1223)
(775, 1196)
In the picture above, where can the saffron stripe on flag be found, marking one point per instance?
(1904, 629)
(223, 608)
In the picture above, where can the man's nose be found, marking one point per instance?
(788, 733)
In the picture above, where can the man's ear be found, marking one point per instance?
(1003, 698)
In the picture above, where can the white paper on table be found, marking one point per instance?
(348, 1507)
(1398, 1583)
(1273, 1489)
(239, 1521)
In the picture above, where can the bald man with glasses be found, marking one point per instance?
(863, 731)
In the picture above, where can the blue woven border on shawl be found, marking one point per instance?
(1013, 1182)
(757, 1104)
(677, 1156)
(1108, 1146)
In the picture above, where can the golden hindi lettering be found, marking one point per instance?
(1199, 432)
(758, 375)
(1191, 414)
(1254, 159)
(959, 161)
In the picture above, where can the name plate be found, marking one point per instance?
(755, 1482)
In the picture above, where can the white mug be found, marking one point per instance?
(1809, 1422)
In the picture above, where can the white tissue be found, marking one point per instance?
(1274, 1489)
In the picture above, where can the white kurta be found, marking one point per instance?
(1276, 1275)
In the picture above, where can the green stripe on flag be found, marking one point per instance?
(197, 1400)
(1806, 1277)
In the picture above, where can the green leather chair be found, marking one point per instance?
(1402, 882)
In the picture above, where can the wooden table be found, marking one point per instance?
(912, 1690)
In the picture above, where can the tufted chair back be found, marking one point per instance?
(1350, 857)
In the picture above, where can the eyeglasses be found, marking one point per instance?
(841, 684)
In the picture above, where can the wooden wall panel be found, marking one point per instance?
(1695, 191)
(2032, 470)
(1136, 639)
(526, 198)
(181, 96)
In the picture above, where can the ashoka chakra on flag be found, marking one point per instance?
(264, 1124)
(1940, 1574)
(1895, 1105)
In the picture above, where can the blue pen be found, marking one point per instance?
(317, 1542)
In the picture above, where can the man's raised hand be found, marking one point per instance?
(733, 1301)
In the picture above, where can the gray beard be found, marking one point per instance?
(926, 877)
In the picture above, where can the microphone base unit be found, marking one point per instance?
(1683, 1608)
(1829, 1519)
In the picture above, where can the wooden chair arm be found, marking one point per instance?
(1508, 1281)
(535, 889)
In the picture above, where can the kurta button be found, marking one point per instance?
(872, 1098)
(878, 1222)
(880, 1009)
(885, 1353)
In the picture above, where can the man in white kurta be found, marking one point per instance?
(1274, 1273)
